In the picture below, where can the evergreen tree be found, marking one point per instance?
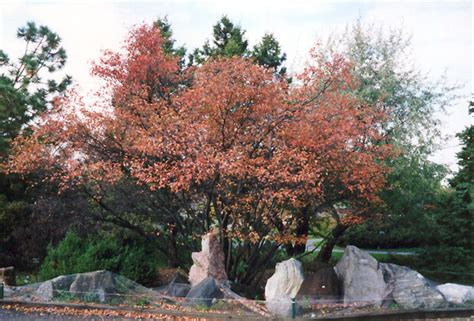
(228, 41)
(268, 53)
(169, 41)
(25, 86)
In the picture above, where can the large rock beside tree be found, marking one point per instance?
(209, 262)
(283, 286)
(361, 277)
(366, 281)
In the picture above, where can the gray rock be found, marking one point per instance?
(178, 290)
(283, 306)
(103, 286)
(63, 282)
(456, 293)
(204, 293)
(410, 289)
(366, 281)
(45, 291)
(100, 286)
(362, 280)
(283, 286)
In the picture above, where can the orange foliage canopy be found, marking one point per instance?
(227, 133)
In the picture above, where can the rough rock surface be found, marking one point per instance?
(361, 277)
(283, 286)
(366, 281)
(322, 284)
(177, 287)
(204, 293)
(7, 276)
(410, 289)
(456, 293)
(283, 306)
(209, 262)
(45, 291)
(101, 286)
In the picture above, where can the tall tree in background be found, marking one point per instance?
(28, 87)
(384, 69)
(451, 254)
(459, 225)
(268, 53)
(168, 41)
(25, 89)
(229, 41)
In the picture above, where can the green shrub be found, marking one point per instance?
(134, 259)
(447, 264)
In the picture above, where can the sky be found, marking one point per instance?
(441, 31)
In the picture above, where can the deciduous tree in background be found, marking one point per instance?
(385, 72)
(222, 145)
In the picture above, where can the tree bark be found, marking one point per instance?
(301, 232)
(326, 251)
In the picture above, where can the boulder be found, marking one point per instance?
(456, 293)
(94, 286)
(362, 279)
(204, 293)
(322, 284)
(410, 289)
(283, 286)
(100, 286)
(45, 291)
(104, 286)
(366, 281)
(283, 306)
(7, 276)
(209, 262)
(177, 287)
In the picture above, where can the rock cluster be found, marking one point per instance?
(366, 281)
(99, 286)
(358, 278)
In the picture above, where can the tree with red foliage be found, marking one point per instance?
(224, 145)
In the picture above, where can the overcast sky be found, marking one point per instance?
(442, 33)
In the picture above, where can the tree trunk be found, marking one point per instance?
(302, 231)
(326, 251)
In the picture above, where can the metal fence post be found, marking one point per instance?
(293, 308)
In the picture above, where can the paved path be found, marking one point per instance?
(310, 244)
